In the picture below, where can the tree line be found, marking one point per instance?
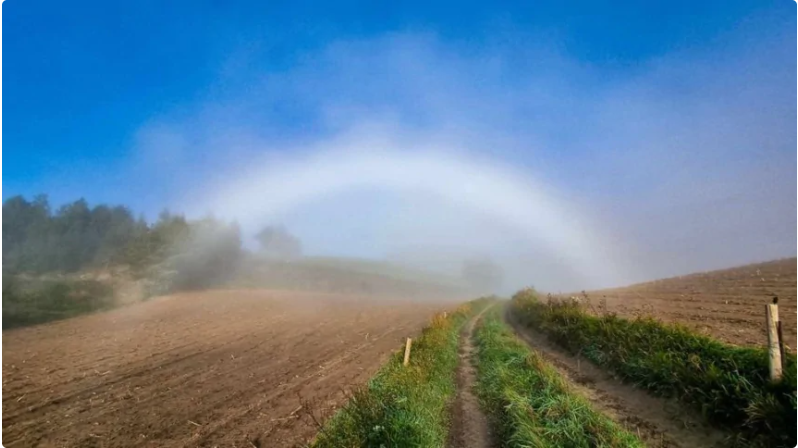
(170, 254)
(74, 237)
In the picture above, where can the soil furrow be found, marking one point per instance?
(216, 368)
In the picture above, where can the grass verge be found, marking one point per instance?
(529, 403)
(405, 406)
(729, 385)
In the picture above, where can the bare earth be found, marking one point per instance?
(658, 422)
(727, 304)
(220, 368)
(469, 426)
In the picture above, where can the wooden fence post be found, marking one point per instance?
(781, 342)
(774, 352)
(407, 351)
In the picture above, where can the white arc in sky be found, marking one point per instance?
(493, 191)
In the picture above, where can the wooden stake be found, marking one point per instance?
(407, 351)
(781, 342)
(774, 354)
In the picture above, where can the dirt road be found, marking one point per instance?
(222, 368)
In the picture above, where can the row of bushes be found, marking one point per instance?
(530, 404)
(405, 406)
(729, 385)
(35, 302)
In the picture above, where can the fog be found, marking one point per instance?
(427, 205)
(409, 148)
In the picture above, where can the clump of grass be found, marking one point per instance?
(729, 385)
(529, 402)
(405, 406)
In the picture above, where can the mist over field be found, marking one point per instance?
(409, 148)
(406, 224)
(426, 156)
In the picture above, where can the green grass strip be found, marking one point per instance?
(729, 385)
(529, 402)
(405, 406)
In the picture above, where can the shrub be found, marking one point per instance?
(36, 302)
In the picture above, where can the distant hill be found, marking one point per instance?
(381, 267)
(345, 275)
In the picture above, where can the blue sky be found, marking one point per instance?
(82, 78)
(663, 116)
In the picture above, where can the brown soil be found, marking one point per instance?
(469, 427)
(219, 368)
(727, 304)
(657, 421)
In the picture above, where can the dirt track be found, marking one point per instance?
(223, 368)
(727, 304)
(658, 422)
(469, 426)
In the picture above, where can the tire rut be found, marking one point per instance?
(658, 422)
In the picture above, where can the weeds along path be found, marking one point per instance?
(470, 426)
(659, 422)
(406, 405)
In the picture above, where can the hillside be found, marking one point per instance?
(342, 275)
(727, 304)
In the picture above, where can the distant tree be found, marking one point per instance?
(482, 275)
(171, 254)
(76, 236)
(116, 228)
(209, 255)
(150, 245)
(76, 243)
(26, 226)
(277, 242)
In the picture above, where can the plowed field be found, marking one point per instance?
(220, 368)
(727, 304)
